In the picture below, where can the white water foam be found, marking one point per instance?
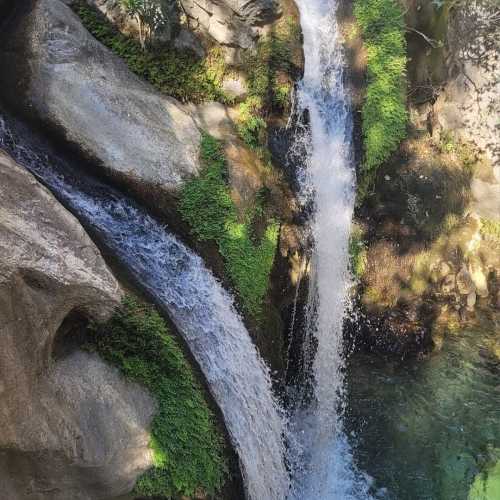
(320, 454)
(202, 311)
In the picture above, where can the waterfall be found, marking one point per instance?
(202, 311)
(321, 460)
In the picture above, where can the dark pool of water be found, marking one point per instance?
(426, 429)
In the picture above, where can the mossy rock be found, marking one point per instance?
(206, 205)
(189, 454)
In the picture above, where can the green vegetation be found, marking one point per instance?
(251, 126)
(187, 446)
(486, 485)
(358, 252)
(175, 73)
(207, 206)
(463, 152)
(270, 70)
(384, 110)
(490, 229)
(151, 15)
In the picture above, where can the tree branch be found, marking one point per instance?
(433, 43)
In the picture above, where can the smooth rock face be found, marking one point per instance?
(72, 427)
(77, 87)
(236, 87)
(232, 22)
(255, 11)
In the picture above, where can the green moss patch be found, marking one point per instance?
(188, 448)
(175, 73)
(384, 110)
(207, 206)
(486, 485)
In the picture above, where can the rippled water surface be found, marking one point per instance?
(425, 429)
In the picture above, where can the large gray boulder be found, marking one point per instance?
(129, 25)
(55, 71)
(72, 427)
(232, 22)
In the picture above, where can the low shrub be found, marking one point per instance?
(207, 206)
(490, 229)
(384, 111)
(175, 73)
(251, 126)
(358, 251)
(188, 449)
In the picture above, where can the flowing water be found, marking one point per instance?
(321, 462)
(421, 430)
(195, 301)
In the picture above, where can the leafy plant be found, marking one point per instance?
(384, 110)
(150, 14)
(251, 126)
(176, 73)
(490, 229)
(188, 449)
(357, 251)
(207, 206)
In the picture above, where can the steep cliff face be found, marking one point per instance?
(426, 241)
(72, 427)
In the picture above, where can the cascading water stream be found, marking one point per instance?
(321, 462)
(319, 457)
(203, 312)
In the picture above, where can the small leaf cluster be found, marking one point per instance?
(207, 206)
(251, 126)
(152, 15)
(358, 254)
(384, 110)
(490, 229)
(188, 449)
(173, 72)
